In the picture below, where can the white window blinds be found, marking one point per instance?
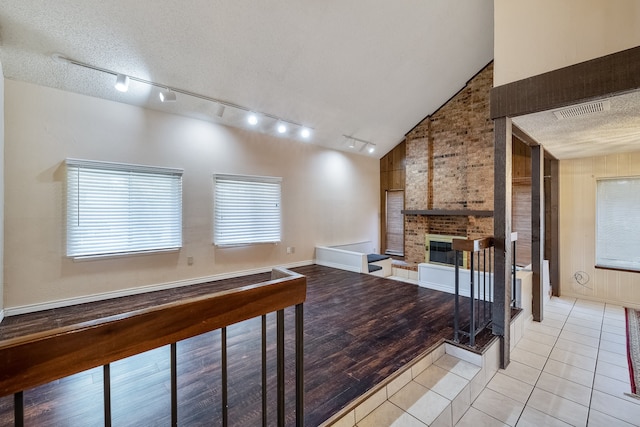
(119, 208)
(618, 223)
(246, 210)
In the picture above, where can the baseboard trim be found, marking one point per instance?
(603, 300)
(32, 308)
(1, 315)
(338, 266)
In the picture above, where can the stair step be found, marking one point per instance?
(437, 388)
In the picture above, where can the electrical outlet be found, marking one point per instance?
(190, 260)
(291, 250)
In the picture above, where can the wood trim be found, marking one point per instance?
(32, 360)
(537, 231)
(598, 78)
(447, 212)
(523, 137)
(470, 245)
(502, 159)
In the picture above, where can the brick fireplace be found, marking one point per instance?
(449, 166)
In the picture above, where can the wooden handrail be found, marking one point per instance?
(36, 359)
(471, 245)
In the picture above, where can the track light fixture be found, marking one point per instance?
(122, 83)
(352, 142)
(167, 96)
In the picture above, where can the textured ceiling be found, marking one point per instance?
(616, 130)
(368, 69)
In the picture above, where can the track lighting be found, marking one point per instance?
(371, 149)
(167, 96)
(352, 143)
(122, 83)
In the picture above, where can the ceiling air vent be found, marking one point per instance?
(582, 109)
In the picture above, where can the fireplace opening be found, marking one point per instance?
(438, 250)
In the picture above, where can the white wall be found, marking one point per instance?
(329, 197)
(535, 36)
(1, 193)
(577, 213)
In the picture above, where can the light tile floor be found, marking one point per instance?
(569, 370)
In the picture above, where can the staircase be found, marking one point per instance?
(436, 389)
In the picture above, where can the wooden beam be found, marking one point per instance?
(537, 230)
(502, 235)
(595, 79)
(553, 227)
(523, 136)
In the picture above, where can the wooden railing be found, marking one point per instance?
(36, 359)
(480, 253)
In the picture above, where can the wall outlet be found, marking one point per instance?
(190, 260)
(291, 250)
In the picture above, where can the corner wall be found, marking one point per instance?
(328, 197)
(2, 119)
(533, 37)
(449, 165)
(577, 212)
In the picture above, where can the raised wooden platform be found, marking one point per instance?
(359, 329)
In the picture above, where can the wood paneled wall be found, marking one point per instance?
(578, 226)
(392, 177)
(521, 200)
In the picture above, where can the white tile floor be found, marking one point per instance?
(569, 370)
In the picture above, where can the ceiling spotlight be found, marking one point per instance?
(122, 83)
(282, 128)
(167, 96)
(352, 143)
(305, 132)
(252, 119)
(371, 149)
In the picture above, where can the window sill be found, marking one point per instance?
(100, 257)
(627, 270)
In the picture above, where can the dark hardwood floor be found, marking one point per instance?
(358, 329)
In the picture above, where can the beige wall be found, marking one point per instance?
(329, 197)
(1, 192)
(535, 36)
(577, 230)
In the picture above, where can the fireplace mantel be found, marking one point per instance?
(447, 212)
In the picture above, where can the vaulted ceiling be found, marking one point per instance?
(361, 68)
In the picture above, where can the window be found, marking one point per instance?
(246, 210)
(120, 209)
(618, 223)
(395, 223)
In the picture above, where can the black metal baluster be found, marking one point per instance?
(225, 405)
(106, 386)
(299, 366)
(456, 309)
(264, 370)
(174, 384)
(280, 363)
(513, 277)
(18, 409)
(472, 326)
